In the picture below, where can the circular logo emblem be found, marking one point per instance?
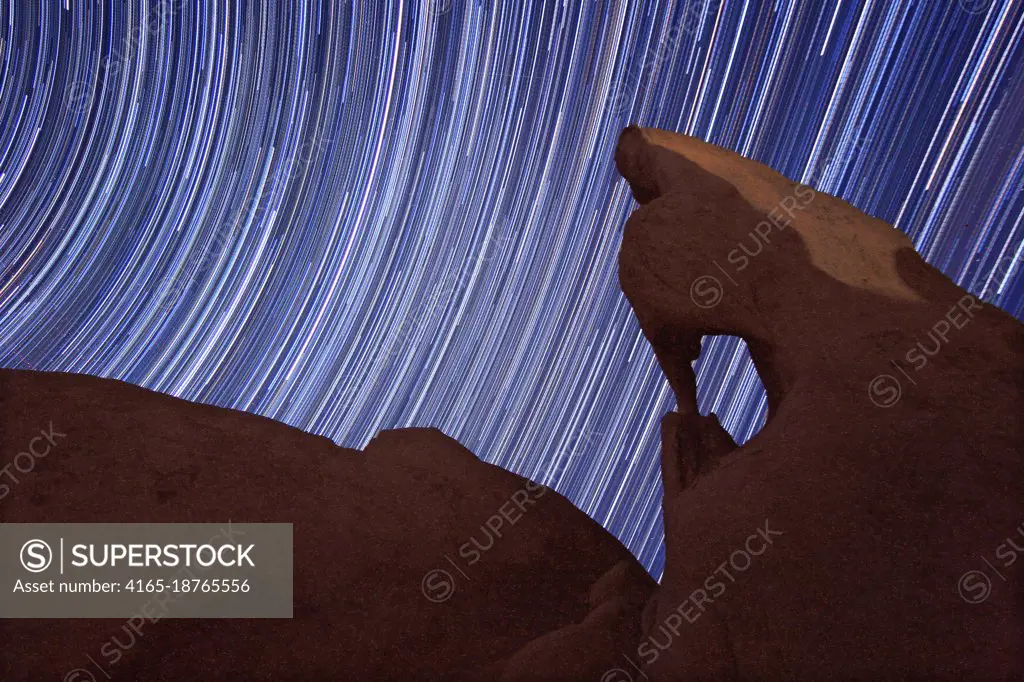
(36, 556)
(438, 585)
(884, 390)
(706, 291)
(974, 587)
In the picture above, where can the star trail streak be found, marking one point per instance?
(353, 217)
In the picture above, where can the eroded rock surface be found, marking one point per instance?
(835, 543)
(369, 528)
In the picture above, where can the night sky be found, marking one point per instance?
(354, 217)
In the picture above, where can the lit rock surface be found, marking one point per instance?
(368, 526)
(833, 544)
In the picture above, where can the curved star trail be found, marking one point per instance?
(353, 217)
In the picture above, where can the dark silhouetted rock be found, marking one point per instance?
(369, 526)
(839, 542)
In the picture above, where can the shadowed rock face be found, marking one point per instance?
(832, 544)
(543, 586)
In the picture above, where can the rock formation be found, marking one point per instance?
(375, 597)
(840, 541)
(871, 530)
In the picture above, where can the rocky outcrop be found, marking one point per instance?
(866, 532)
(872, 530)
(413, 560)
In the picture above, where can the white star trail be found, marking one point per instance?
(359, 216)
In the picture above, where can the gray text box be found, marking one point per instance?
(151, 570)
